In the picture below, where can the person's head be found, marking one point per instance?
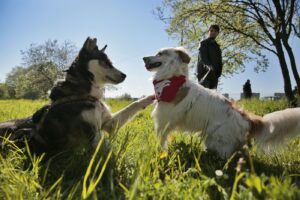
(213, 31)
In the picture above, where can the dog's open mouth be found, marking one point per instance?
(153, 65)
(113, 80)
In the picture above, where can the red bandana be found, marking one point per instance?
(166, 90)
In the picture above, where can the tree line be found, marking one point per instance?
(42, 65)
(249, 29)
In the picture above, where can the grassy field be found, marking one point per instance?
(133, 167)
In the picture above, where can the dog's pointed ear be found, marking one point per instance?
(103, 49)
(183, 55)
(90, 44)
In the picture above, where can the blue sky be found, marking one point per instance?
(130, 29)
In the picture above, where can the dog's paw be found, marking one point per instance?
(146, 101)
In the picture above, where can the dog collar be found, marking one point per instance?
(166, 90)
(74, 99)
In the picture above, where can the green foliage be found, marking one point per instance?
(4, 91)
(59, 55)
(43, 64)
(12, 79)
(189, 20)
(133, 166)
(247, 27)
(32, 84)
(125, 96)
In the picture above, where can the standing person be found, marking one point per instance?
(247, 90)
(209, 66)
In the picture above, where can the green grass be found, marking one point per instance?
(134, 166)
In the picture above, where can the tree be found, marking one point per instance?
(43, 64)
(249, 27)
(125, 96)
(3, 91)
(28, 83)
(12, 80)
(50, 54)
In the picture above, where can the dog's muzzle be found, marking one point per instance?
(149, 65)
(116, 81)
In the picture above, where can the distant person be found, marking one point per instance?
(209, 66)
(247, 90)
(295, 90)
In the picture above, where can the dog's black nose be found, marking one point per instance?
(146, 59)
(123, 76)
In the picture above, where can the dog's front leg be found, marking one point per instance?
(120, 118)
(163, 130)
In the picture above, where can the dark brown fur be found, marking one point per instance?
(184, 57)
(181, 94)
(256, 122)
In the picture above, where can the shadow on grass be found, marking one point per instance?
(182, 157)
(70, 175)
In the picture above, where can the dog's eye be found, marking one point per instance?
(159, 54)
(104, 64)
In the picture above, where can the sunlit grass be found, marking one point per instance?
(133, 166)
(12, 109)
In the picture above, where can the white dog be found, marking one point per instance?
(190, 107)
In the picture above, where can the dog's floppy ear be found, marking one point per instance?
(183, 55)
(90, 44)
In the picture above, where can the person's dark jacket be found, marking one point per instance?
(209, 55)
(247, 90)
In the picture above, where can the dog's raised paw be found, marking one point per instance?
(146, 101)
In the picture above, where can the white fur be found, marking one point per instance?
(93, 116)
(202, 110)
(104, 74)
(279, 126)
